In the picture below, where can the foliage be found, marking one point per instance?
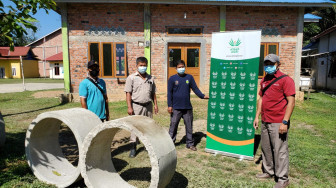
(17, 19)
(328, 20)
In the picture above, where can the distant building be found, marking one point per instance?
(56, 66)
(320, 58)
(10, 66)
(45, 47)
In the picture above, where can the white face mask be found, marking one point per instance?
(142, 69)
(181, 70)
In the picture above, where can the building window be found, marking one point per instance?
(265, 49)
(13, 71)
(56, 68)
(194, 31)
(111, 57)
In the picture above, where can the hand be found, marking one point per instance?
(283, 129)
(156, 109)
(206, 97)
(130, 111)
(255, 123)
(170, 110)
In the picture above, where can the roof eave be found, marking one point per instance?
(202, 2)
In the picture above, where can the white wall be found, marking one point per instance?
(52, 70)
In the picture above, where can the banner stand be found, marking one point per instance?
(233, 91)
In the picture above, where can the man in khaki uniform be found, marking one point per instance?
(140, 92)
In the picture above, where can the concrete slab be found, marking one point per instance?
(95, 159)
(43, 151)
(11, 88)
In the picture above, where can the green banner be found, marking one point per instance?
(233, 92)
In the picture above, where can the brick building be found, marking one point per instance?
(46, 47)
(115, 34)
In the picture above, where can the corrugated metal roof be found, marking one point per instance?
(56, 57)
(297, 3)
(325, 32)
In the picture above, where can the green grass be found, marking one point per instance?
(312, 145)
(30, 80)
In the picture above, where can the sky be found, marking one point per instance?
(47, 23)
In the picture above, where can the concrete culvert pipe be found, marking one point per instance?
(2, 131)
(43, 151)
(95, 160)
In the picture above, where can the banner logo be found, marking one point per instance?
(223, 94)
(222, 106)
(251, 97)
(230, 128)
(224, 74)
(242, 75)
(240, 107)
(233, 85)
(233, 75)
(231, 106)
(214, 75)
(213, 105)
(231, 116)
(252, 86)
(250, 108)
(213, 94)
(240, 119)
(221, 127)
(214, 85)
(221, 116)
(253, 76)
(212, 115)
(232, 96)
(234, 46)
(212, 126)
(240, 130)
(249, 132)
(241, 96)
(223, 84)
(249, 120)
(242, 86)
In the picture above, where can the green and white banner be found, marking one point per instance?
(233, 93)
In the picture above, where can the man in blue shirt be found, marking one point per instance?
(92, 93)
(179, 105)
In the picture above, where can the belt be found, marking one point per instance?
(142, 104)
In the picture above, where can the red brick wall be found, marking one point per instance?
(284, 19)
(130, 17)
(81, 17)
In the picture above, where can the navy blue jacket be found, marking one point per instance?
(179, 91)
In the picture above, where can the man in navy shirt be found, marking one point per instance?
(179, 105)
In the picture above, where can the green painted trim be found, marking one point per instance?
(147, 36)
(222, 25)
(66, 64)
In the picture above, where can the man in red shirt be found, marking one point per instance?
(276, 104)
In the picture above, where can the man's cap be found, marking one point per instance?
(272, 58)
(91, 63)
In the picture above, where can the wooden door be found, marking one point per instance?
(190, 53)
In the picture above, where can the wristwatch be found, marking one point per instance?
(285, 122)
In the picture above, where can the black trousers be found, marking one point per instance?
(175, 118)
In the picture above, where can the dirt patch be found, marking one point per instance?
(48, 94)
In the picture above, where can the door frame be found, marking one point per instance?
(184, 47)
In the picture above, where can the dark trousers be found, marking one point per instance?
(175, 118)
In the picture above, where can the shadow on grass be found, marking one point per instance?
(13, 163)
(197, 136)
(26, 112)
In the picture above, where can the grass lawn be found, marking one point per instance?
(30, 80)
(312, 145)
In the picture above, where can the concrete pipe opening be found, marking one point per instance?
(95, 161)
(43, 151)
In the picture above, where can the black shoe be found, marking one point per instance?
(133, 151)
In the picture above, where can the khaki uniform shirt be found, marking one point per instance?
(142, 90)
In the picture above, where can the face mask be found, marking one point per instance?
(94, 73)
(142, 69)
(181, 70)
(270, 69)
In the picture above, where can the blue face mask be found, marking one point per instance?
(181, 70)
(142, 69)
(270, 69)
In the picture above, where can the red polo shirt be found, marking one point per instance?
(274, 102)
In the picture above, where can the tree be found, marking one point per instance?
(15, 22)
